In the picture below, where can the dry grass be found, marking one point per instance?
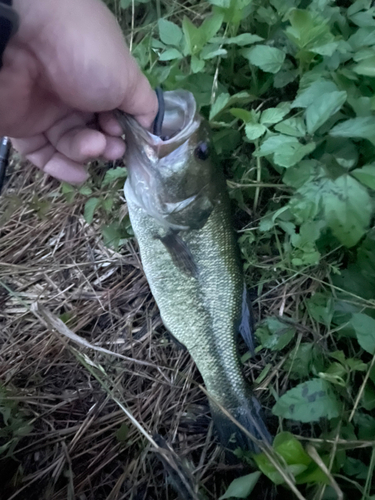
(57, 261)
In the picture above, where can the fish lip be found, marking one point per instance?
(154, 147)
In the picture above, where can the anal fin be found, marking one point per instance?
(246, 327)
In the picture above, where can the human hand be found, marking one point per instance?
(63, 73)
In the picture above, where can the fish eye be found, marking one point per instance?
(202, 151)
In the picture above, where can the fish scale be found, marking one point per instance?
(180, 212)
(202, 312)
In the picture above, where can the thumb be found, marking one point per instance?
(141, 101)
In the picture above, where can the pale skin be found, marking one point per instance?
(64, 72)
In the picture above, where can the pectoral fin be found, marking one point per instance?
(180, 253)
(246, 327)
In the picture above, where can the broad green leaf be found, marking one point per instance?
(90, 207)
(211, 51)
(300, 361)
(366, 425)
(254, 130)
(291, 449)
(268, 59)
(219, 104)
(225, 100)
(274, 143)
(365, 175)
(114, 174)
(347, 208)
(364, 327)
(288, 151)
(356, 468)
(308, 31)
(170, 33)
(272, 115)
(242, 114)
(211, 26)
(240, 40)
(363, 37)
(308, 402)
(308, 96)
(293, 153)
(294, 126)
(358, 128)
(242, 486)
(85, 190)
(122, 433)
(321, 308)
(170, 55)
(366, 67)
(275, 334)
(193, 38)
(368, 398)
(323, 108)
(197, 64)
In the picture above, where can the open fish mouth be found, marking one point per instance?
(178, 123)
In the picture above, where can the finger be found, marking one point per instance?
(73, 139)
(36, 149)
(141, 101)
(43, 155)
(109, 124)
(66, 170)
(115, 148)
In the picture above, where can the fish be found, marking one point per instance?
(180, 212)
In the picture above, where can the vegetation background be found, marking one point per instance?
(288, 88)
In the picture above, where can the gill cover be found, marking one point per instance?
(171, 176)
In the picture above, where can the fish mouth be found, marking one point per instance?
(180, 121)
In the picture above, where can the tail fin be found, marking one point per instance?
(249, 415)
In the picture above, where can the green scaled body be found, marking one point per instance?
(179, 210)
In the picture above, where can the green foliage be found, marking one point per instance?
(242, 486)
(288, 88)
(13, 424)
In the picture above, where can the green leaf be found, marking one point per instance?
(122, 433)
(113, 175)
(272, 115)
(287, 151)
(307, 96)
(225, 100)
(359, 128)
(192, 37)
(196, 64)
(300, 361)
(364, 327)
(85, 190)
(308, 402)
(170, 33)
(294, 126)
(210, 51)
(211, 26)
(347, 209)
(242, 486)
(321, 308)
(365, 175)
(366, 67)
(240, 40)
(290, 449)
(268, 59)
(254, 130)
(90, 207)
(170, 55)
(275, 334)
(242, 114)
(323, 108)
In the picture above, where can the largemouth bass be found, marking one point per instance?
(179, 210)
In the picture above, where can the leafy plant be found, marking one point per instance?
(288, 88)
